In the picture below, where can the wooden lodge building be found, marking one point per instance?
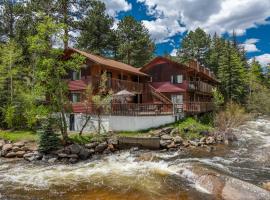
(158, 93)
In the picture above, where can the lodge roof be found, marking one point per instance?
(166, 87)
(192, 66)
(109, 62)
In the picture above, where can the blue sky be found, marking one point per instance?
(169, 20)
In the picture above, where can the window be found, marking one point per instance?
(76, 75)
(75, 97)
(177, 98)
(177, 79)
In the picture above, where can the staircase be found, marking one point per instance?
(159, 95)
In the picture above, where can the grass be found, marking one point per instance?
(15, 136)
(85, 138)
(194, 128)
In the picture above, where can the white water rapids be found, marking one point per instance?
(168, 175)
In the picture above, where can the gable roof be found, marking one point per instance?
(192, 66)
(109, 62)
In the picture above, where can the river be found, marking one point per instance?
(166, 176)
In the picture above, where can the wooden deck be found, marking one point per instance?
(145, 109)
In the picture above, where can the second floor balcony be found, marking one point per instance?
(200, 86)
(114, 84)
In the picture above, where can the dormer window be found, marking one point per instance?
(176, 79)
(76, 75)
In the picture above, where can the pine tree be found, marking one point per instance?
(96, 34)
(135, 46)
(232, 74)
(48, 139)
(195, 45)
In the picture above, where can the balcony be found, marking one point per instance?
(200, 86)
(115, 85)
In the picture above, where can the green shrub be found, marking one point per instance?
(190, 128)
(48, 139)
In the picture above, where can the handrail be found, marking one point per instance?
(159, 95)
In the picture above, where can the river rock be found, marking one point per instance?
(174, 131)
(166, 137)
(75, 148)
(111, 147)
(210, 140)
(203, 140)
(10, 155)
(91, 145)
(63, 155)
(166, 130)
(73, 160)
(84, 153)
(172, 145)
(2, 143)
(15, 149)
(219, 138)
(19, 144)
(52, 160)
(178, 140)
(194, 143)
(164, 143)
(266, 186)
(113, 141)
(101, 147)
(32, 156)
(20, 154)
(186, 143)
(7, 147)
(73, 156)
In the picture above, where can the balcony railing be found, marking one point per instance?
(200, 86)
(198, 107)
(144, 109)
(114, 84)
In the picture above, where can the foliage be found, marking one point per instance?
(96, 33)
(100, 101)
(51, 68)
(231, 117)
(15, 136)
(218, 98)
(195, 45)
(232, 74)
(48, 139)
(190, 128)
(135, 45)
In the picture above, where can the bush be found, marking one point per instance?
(190, 128)
(233, 116)
(49, 140)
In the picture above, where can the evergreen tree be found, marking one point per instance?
(48, 139)
(135, 46)
(96, 34)
(232, 74)
(195, 45)
(51, 68)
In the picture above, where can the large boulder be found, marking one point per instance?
(166, 137)
(266, 186)
(165, 143)
(10, 155)
(2, 143)
(84, 153)
(19, 144)
(32, 156)
(174, 131)
(20, 154)
(166, 130)
(178, 140)
(101, 147)
(7, 147)
(75, 148)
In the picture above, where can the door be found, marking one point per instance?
(177, 98)
(71, 122)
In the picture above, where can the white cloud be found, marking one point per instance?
(263, 59)
(173, 53)
(115, 6)
(250, 45)
(219, 16)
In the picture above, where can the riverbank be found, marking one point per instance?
(189, 174)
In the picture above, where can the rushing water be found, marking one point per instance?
(166, 176)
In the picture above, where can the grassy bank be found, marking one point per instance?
(15, 136)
